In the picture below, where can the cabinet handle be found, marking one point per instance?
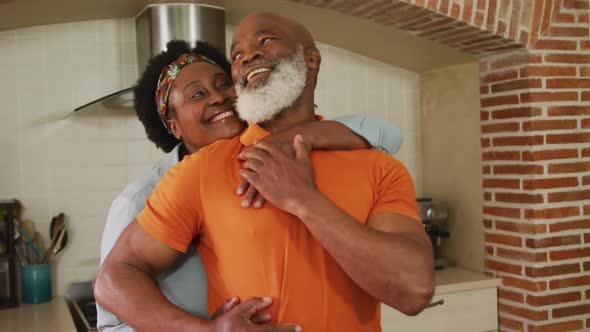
(434, 304)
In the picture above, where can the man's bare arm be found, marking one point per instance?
(390, 257)
(126, 287)
(125, 284)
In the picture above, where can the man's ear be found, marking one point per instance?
(313, 58)
(175, 128)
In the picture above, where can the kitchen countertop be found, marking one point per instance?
(52, 316)
(454, 279)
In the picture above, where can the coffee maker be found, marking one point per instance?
(435, 216)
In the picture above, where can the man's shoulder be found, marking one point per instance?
(362, 156)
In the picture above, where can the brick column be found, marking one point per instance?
(535, 140)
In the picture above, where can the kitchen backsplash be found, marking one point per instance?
(78, 164)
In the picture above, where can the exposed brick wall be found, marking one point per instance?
(535, 124)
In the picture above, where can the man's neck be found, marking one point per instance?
(300, 112)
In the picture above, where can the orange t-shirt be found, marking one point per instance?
(267, 252)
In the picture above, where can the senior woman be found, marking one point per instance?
(184, 108)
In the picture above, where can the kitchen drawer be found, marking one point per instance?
(468, 311)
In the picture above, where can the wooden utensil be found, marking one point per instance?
(55, 246)
(56, 224)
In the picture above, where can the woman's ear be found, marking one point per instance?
(175, 128)
(313, 58)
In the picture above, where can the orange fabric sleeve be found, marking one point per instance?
(395, 189)
(172, 212)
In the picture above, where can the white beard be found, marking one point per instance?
(283, 86)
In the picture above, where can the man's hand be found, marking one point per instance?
(244, 317)
(284, 140)
(283, 180)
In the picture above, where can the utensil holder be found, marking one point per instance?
(36, 283)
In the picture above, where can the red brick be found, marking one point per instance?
(567, 58)
(481, 4)
(563, 18)
(524, 313)
(544, 71)
(489, 251)
(574, 325)
(522, 112)
(546, 17)
(551, 213)
(569, 168)
(587, 268)
(519, 198)
(568, 138)
(549, 154)
(487, 196)
(518, 140)
(550, 183)
(533, 257)
(556, 44)
(503, 239)
(586, 209)
(568, 31)
(511, 323)
(503, 267)
(487, 223)
(533, 286)
(574, 310)
(587, 238)
(502, 212)
(575, 4)
(484, 89)
(585, 123)
(553, 299)
(484, 115)
(467, 10)
(569, 110)
(535, 97)
(517, 85)
(510, 295)
(501, 100)
(486, 169)
(518, 169)
(585, 45)
(485, 142)
(549, 125)
(570, 282)
(559, 255)
(584, 71)
(585, 96)
(586, 152)
(567, 83)
(501, 183)
(549, 271)
(501, 127)
(568, 225)
(499, 76)
(512, 60)
(569, 196)
(520, 227)
(501, 155)
(555, 241)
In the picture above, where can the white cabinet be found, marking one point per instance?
(463, 301)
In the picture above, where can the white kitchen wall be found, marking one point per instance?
(78, 164)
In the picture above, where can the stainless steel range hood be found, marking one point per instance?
(155, 26)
